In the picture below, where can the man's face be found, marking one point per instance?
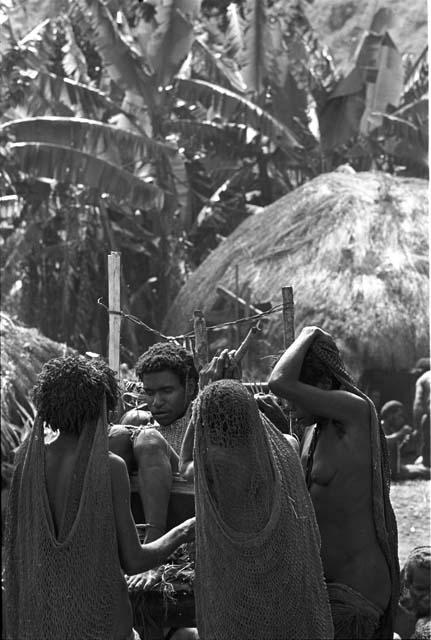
(420, 591)
(397, 418)
(166, 396)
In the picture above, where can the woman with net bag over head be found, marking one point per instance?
(344, 456)
(258, 567)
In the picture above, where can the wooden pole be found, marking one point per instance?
(230, 295)
(114, 280)
(247, 297)
(201, 340)
(288, 316)
(288, 328)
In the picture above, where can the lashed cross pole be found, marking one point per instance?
(288, 327)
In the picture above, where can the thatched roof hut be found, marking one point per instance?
(23, 353)
(355, 249)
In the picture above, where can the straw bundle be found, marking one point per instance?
(355, 249)
(24, 351)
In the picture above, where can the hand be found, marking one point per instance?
(143, 581)
(269, 407)
(405, 431)
(220, 367)
(315, 332)
(188, 527)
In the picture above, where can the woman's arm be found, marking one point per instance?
(342, 406)
(134, 557)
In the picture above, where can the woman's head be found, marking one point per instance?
(69, 392)
(226, 411)
(316, 373)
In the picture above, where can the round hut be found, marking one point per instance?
(354, 247)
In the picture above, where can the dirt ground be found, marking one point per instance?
(411, 502)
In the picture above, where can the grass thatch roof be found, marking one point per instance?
(23, 353)
(355, 249)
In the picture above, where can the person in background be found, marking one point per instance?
(345, 461)
(414, 611)
(421, 408)
(70, 534)
(397, 433)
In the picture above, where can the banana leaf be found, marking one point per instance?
(253, 61)
(79, 98)
(74, 62)
(227, 106)
(210, 134)
(171, 40)
(222, 70)
(123, 64)
(416, 83)
(381, 64)
(72, 166)
(123, 148)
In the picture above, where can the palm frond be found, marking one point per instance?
(65, 164)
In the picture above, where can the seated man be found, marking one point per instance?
(70, 534)
(344, 456)
(170, 383)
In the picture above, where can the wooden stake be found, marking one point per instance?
(288, 328)
(288, 316)
(201, 340)
(114, 279)
(237, 327)
(243, 347)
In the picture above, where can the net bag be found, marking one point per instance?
(62, 585)
(258, 567)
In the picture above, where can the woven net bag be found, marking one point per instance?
(62, 585)
(258, 567)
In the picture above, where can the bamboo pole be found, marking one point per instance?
(288, 328)
(201, 340)
(114, 280)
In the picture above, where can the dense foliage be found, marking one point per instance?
(155, 128)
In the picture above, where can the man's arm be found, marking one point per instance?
(134, 557)
(398, 435)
